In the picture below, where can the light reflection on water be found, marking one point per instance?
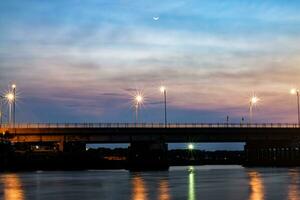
(191, 183)
(293, 193)
(256, 186)
(140, 192)
(191, 195)
(139, 189)
(164, 190)
(12, 187)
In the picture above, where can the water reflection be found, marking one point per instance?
(216, 182)
(12, 187)
(191, 194)
(256, 186)
(293, 189)
(164, 190)
(139, 190)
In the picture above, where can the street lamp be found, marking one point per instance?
(190, 147)
(190, 150)
(253, 100)
(14, 87)
(163, 90)
(1, 111)
(295, 91)
(10, 98)
(138, 101)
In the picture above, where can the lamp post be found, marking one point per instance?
(1, 111)
(138, 101)
(295, 91)
(253, 101)
(191, 148)
(163, 90)
(10, 99)
(14, 87)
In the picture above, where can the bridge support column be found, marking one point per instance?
(148, 156)
(6, 153)
(272, 153)
(71, 146)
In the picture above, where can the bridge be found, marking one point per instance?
(128, 132)
(265, 143)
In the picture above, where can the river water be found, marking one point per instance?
(201, 182)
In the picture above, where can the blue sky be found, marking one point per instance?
(78, 61)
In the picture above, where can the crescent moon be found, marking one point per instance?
(156, 18)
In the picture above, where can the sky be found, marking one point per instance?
(83, 60)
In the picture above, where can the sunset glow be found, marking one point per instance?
(212, 54)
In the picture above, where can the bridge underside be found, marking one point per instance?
(148, 146)
(171, 135)
(273, 153)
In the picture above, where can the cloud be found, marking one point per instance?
(210, 57)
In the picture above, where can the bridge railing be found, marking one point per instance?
(149, 125)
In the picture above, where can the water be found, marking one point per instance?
(191, 183)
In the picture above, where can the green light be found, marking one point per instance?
(190, 146)
(191, 192)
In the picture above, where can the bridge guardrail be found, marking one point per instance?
(150, 125)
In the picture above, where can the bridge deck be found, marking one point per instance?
(149, 125)
(126, 133)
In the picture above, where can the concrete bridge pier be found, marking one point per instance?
(150, 155)
(6, 152)
(272, 153)
(64, 146)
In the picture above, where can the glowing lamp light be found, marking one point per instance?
(13, 86)
(190, 146)
(162, 89)
(139, 98)
(294, 91)
(10, 97)
(254, 100)
(137, 102)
